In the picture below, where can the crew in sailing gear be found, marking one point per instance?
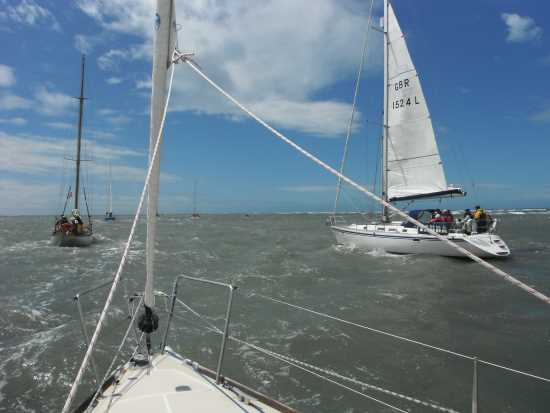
(481, 219)
(468, 218)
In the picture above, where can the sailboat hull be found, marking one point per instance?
(392, 239)
(62, 239)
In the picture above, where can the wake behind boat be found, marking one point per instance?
(72, 231)
(411, 168)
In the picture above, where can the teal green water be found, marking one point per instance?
(445, 302)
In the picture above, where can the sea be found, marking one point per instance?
(445, 302)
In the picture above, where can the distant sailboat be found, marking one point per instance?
(72, 231)
(195, 213)
(109, 213)
(412, 167)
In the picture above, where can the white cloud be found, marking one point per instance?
(13, 121)
(521, 29)
(144, 84)
(543, 116)
(31, 154)
(20, 197)
(7, 78)
(262, 52)
(60, 125)
(111, 60)
(99, 134)
(114, 80)
(114, 117)
(53, 103)
(9, 101)
(326, 118)
(84, 44)
(30, 13)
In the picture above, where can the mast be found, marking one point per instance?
(164, 43)
(195, 197)
(110, 190)
(385, 214)
(79, 135)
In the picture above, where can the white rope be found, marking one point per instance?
(310, 368)
(314, 370)
(122, 263)
(420, 343)
(344, 178)
(353, 106)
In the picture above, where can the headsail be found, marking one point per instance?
(164, 45)
(414, 165)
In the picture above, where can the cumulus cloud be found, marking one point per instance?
(38, 155)
(542, 117)
(9, 101)
(53, 103)
(262, 52)
(28, 12)
(84, 44)
(114, 80)
(521, 29)
(7, 77)
(18, 121)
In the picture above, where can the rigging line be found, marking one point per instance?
(409, 340)
(113, 361)
(377, 171)
(288, 360)
(473, 257)
(353, 107)
(357, 382)
(122, 263)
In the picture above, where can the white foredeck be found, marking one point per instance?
(171, 385)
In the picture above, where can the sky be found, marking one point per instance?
(483, 65)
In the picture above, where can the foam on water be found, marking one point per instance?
(442, 301)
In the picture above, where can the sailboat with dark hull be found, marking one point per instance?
(72, 231)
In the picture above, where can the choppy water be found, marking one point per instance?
(446, 302)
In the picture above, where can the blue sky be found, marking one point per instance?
(483, 65)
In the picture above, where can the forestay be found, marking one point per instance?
(165, 43)
(414, 165)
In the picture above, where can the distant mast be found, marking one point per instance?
(110, 210)
(79, 133)
(195, 199)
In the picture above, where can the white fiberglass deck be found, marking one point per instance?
(173, 384)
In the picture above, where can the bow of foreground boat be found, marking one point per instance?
(169, 382)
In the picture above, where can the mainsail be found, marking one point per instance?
(414, 168)
(165, 43)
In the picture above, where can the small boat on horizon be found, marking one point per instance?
(109, 213)
(195, 214)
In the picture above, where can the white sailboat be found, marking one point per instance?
(72, 231)
(412, 167)
(109, 213)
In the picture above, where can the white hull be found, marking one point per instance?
(396, 239)
(173, 384)
(62, 239)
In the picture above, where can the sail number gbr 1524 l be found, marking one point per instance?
(405, 101)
